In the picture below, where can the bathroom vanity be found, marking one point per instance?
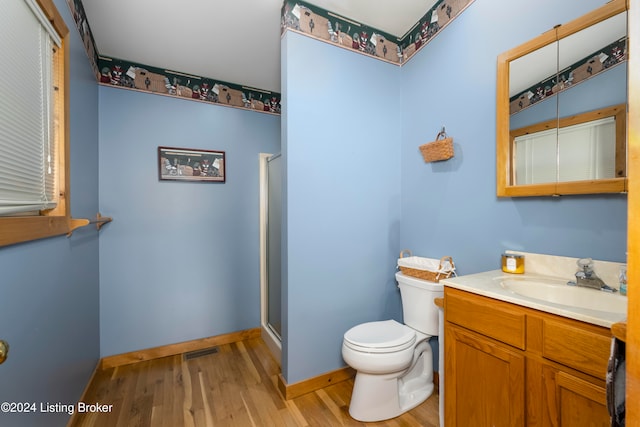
(513, 360)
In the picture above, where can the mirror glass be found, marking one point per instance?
(593, 70)
(566, 108)
(533, 116)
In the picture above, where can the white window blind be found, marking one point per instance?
(588, 150)
(27, 151)
(536, 157)
(573, 153)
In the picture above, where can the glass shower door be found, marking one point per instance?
(274, 220)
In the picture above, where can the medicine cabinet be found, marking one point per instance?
(561, 109)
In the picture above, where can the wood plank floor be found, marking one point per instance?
(237, 386)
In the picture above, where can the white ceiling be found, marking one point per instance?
(237, 41)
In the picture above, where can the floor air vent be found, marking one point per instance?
(200, 353)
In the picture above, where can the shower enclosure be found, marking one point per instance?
(270, 237)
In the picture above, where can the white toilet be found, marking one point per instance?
(394, 362)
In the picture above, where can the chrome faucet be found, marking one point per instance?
(587, 278)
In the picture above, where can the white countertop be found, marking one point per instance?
(488, 284)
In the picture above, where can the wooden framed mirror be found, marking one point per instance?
(561, 109)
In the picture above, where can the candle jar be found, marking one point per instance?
(512, 263)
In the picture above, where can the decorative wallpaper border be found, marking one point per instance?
(297, 15)
(130, 75)
(145, 78)
(590, 66)
(322, 24)
(80, 18)
(438, 17)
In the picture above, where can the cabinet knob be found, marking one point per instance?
(4, 351)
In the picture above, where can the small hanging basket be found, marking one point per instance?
(438, 150)
(429, 269)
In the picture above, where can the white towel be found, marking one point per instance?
(616, 383)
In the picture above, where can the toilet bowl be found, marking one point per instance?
(394, 361)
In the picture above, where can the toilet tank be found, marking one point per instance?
(418, 308)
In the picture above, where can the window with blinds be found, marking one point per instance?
(584, 151)
(33, 121)
(28, 78)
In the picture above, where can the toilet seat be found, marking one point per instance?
(386, 336)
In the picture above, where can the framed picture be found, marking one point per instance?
(184, 164)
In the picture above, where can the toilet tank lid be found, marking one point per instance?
(380, 334)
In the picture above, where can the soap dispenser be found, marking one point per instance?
(622, 279)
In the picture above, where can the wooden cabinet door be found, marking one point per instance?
(484, 381)
(575, 402)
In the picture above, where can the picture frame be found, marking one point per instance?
(188, 164)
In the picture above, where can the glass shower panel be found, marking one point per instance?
(274, 220)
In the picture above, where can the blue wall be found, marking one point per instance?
(341, 124)
(180, 261)
(346, 146)
(49, 288)
(451, 208)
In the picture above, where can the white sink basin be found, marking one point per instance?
(557, 291)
